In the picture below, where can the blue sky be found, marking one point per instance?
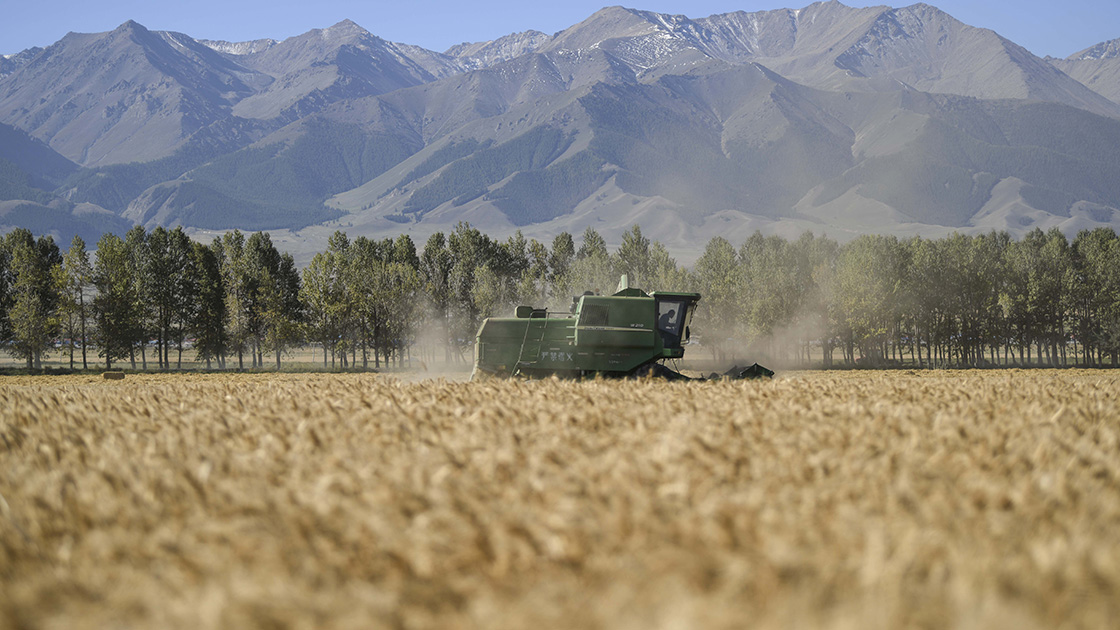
(1044, 28)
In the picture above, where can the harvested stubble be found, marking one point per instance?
(830, 500)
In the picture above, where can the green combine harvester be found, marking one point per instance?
(626, 334)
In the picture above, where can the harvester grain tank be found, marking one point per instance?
(625, 334)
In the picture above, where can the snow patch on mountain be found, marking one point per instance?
(11, 63)
(1103, 50)
(485, 54)
(238, 48)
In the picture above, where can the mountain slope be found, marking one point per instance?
(828, 117)
(127, 95)
(11, 63)
(276, 183)
(134, 95)
(1098, 67)
(747, 140)
(327, 65)
(831, 46)
(44, 167)
(29, 171)
(484, 54)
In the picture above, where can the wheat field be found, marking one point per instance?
(965, 499)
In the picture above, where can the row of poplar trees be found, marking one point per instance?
(954, 301)
(143, 296)
(959, 300)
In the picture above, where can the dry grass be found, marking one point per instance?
(829, 500)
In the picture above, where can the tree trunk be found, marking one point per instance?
(82, 307)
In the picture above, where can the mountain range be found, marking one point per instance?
(827, 118)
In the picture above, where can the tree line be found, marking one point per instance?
(237, 302)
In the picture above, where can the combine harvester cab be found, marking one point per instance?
(626, 334)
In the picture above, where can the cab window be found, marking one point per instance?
(669, 316)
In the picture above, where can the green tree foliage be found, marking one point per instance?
(377, 282)
(208, 314)
(184, 279)
(33, 295)
(470, 251)
(281, 309)
(1096, 293)
(954, 301)
(142, 276)
(593, 269)
(404, 252)
(114, 307)
(633, 258)
(325, 299)
(400, 289)
(435, 273)
(76, 274)
(238, 282)
(720, 280)
(159, 289)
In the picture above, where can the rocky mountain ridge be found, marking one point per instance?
(692, 127)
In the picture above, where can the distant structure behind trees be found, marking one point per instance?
(151, 298)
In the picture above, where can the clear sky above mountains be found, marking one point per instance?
(1045, 27)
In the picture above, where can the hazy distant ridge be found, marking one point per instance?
(827, 117)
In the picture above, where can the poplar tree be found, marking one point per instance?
(323, 295)
(281, 309)
(208, 317)
(238, 286)
(633, 258)
(158, 281)
(719, 279)
(184, 296)
(143, 280)
(76, 277)
(114, 307)
(33, 295)
(593, 269)
(435, 272)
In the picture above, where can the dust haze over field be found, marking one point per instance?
(986, 499)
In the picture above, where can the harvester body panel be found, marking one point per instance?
(614, 335)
